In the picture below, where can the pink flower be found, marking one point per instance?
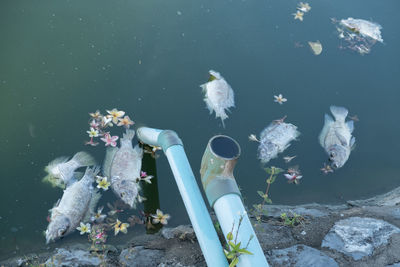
(143, 174)
(94, 124)
(110, 140)
(99, 235)
(293, 177)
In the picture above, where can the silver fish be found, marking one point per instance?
(218, 95)
(76, 205)
(275, 139)
(60, 172)
(336, 137)
(123, 166)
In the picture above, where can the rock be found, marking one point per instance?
(310, 210)
(391, 198)
(74, 258)
(182, 232)
(140, 256)
(300, 256)
(358, 237)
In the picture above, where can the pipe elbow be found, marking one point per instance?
(168, 138)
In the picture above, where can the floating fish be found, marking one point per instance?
(316, 47)
(275, 139)
(61, 171)
(358, 35)
(219, 95)
(76, 205)
(336, 137)
(123, 166)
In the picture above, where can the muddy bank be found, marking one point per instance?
(358, 233)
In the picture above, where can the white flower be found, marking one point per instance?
(253, 137)
(93, 132)
(280, 99)
(84, 228)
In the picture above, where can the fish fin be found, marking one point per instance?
(223, 124)
(340, 113)
(341, 138)
(108, 160)
(54, 163)
(139, 152)
(91, 172)
(78, 175)
(353, 143)
(84, 159)
(96, 195)
(325, 129)
(204, 88)
(54, 181)
(350, 125)
(128, 135)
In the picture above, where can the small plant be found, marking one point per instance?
(233, 249)
(291, 220)
(259, 208)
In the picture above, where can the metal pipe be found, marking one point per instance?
(224, 197)
(190, 192)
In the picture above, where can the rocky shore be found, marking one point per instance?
(358, 233)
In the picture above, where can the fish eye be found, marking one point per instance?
(333, 154)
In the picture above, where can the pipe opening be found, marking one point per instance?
(225, 147)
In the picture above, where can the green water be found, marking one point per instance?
(60, 60)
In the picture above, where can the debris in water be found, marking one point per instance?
(218, 95)
(316, 47)
(326, 169)
(288, 159)
(358, 35)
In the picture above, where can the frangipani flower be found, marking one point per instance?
(93, 132)
(115, 114)
(84, 228)
(280, 99)
(94, 124)
(98, 217)
(143, 174)
(120, 227)
(102, 182)
(293, 177)
(126, 122)
(106, 122)
(148, 178)
(160, 217)
(95, 115)
(110, 140)
(298, 15)
(326, 169)
(303, 7)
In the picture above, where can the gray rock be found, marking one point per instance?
(74, 258)
(393, 265)
(139, 256)
(358, 237)
(311, 210)
(300, 256)
(181, 232)
(391, 198)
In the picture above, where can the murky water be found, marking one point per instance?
(61, 60)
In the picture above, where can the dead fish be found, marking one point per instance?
(336, 137)
(219, 95)
(76, 205)
(61, 170)
(275, 139)
(123, 166)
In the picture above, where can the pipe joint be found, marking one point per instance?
(217, 166)
(168, 138)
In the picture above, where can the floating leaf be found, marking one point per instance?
(316, 47)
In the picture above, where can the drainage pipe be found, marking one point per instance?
(195, 206)
(224, 197)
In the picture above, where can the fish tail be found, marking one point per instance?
(53, 181)
(128, 135)
(340, 113)
(51, 167)
(92, 172)
(84, 159)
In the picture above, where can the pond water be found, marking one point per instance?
(61, 60)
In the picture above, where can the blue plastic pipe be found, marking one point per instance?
(224, 197)
(190, 192)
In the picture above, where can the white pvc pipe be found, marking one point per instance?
(228, 209)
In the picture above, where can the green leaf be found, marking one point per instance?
(231, 244)
(273, 179)
(234, 262)
(229, 236)
(245, 251)
(231, 255)
(268, 170)
(278, 170)
(237, 247)
(261, 194)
